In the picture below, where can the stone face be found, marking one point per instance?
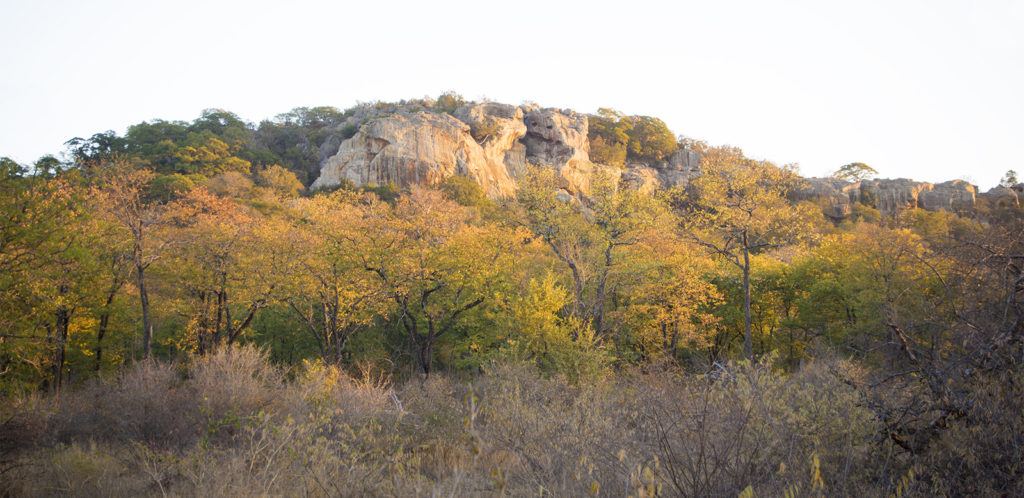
(493, 143)
(891, 195)
(681, 167)
(490, 143)
(955, 196)
(558, 139)
(642, 178)
(420, 148)
(1003, 197)
(837, 197)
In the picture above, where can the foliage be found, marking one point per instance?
(855, 172)
(178, 316)
(614, 137)
(1009, 179)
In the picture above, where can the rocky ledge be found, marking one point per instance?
(492, 143)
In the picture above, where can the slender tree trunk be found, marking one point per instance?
(147, 325)
(101, 331)
(427, 349)
(748, 349)
(600, 297)
(62, 320)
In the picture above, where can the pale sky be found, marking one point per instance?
(931, 90)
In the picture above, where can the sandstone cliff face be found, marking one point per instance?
(888, 195)
(424, 148)
(493, 143)
(490, 143)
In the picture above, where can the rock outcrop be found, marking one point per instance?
(426, 148)
(492, 144)
(488, 142)
(889, 196)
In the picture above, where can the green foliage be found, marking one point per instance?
(609, 137)
(1009, 179)
(165, 188)
(449, 101)
(615, 137)
(464, 191)
(855, 172)
(581, 337)
(650, 139)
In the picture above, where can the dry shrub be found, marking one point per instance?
(231, 385)
(748, 426)
(327, 389)
(149, 402)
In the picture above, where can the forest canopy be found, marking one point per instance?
(180, 290)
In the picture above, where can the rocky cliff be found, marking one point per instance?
(489, 143)
(493, 143)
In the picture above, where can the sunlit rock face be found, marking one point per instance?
(489, 143)
(493, 144)
(422, 148)
(888, 196)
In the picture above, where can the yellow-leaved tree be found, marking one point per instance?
(739, 206)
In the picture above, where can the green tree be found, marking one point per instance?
(855, 172)
(1009, 179)
(608, 132)
(737, 207)
(650, 139)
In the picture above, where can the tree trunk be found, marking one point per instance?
(748, 349)
(102, 330)
(147, 325)
(600, 297)
(62, 320)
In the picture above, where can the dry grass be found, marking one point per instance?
(230, 425)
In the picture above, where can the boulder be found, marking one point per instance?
(559, 139)
(956, 196)
(642, 178)
(421, 148)
(1002, 197)
(836, 196)
(891, 195)
(498, 128)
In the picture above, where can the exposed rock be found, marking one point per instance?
(891, 195)
(498, 128)
(559, 139)
(492, 144)
(417, 148)
(682, 166)
(489, 142)
(1003, 197)
(642, 178)
(836, 196)
(956, 196)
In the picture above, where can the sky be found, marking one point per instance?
(930, 90)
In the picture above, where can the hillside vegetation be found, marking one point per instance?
(181, 315)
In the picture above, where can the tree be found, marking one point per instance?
(433, 264)
(320, 252)
(279, 180)
(650, 139)
(1009, 179)
(855, 172)
(590, 236)
(122, 194)
(738, 206)
(608, 132)
(220, 265)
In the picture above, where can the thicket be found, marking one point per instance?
(174, 324)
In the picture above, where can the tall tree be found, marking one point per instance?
(122, 192)
(434, 265)
(855, 172)
(588, 235)
(738, 206)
